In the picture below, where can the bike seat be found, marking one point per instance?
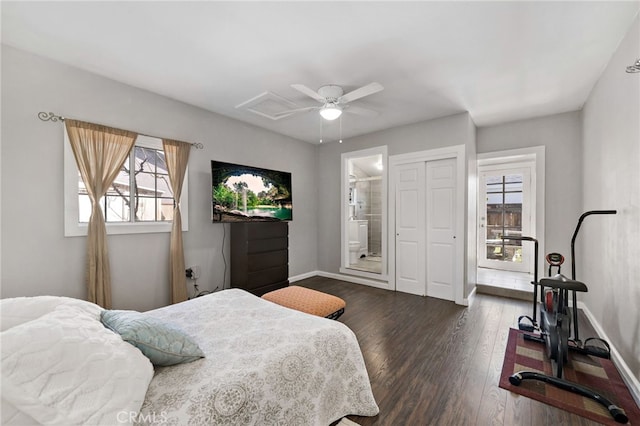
(563, 283)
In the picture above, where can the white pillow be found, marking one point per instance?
(18, 310)
(67, 368)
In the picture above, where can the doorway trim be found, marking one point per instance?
(513, 156)
(458, 153)
(344, 215)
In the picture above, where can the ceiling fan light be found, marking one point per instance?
(330, 112)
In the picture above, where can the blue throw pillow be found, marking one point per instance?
(163, 343)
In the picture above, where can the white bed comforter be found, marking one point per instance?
(61, 366)
(264, 365)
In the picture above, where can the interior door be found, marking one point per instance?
(505, 206)
(410, 228)
(440, 224)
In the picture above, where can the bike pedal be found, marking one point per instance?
(601, 351)
(597, 352)
(524, 326)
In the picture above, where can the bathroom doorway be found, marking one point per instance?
(364, 206)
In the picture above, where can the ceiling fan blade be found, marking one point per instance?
(361, 111)
(304, 89)
(367, 90)
(293, 111)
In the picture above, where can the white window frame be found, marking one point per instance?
(72, 225)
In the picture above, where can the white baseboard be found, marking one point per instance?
(470, 298)
(629, 378)
(341, 277)
(303, 276)
(356, 280)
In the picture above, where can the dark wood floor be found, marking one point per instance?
(432, 362)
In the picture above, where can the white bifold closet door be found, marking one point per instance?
(425, 228)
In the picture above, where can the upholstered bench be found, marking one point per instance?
(307, 300)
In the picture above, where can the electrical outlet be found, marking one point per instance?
(192, 272)
(196, 272)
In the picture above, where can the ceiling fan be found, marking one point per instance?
(334, 101)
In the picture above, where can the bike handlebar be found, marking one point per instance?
(575, 235)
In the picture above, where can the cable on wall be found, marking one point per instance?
(224, 259)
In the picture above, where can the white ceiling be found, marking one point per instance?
(501, 61)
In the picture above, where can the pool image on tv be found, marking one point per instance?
(245, 193)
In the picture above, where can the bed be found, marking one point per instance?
(263, 364)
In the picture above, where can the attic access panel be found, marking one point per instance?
(268, 104)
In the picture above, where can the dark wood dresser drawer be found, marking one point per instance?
(259, 256)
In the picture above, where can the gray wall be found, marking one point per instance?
(561, 135)
(38, 259)
(453, 130)
(609, 255)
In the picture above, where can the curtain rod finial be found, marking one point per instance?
(44, 116)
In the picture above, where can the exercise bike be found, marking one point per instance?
(554, 329)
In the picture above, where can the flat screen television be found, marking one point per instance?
(245, 193)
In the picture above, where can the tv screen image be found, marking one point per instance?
(245, 193)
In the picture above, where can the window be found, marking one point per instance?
(140, 199)
(504, 216)
(506, 207)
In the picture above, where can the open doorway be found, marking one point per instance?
(364, 226)
(510, 203)
(363, 212)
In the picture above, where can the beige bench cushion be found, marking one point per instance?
(306, 300)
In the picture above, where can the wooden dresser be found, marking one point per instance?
(259, 256)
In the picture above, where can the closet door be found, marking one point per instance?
(410, 228)
(440, 226)
(425, 228)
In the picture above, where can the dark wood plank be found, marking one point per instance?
(495, 407)
(433, 362)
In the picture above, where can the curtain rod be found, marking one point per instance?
(44, 116)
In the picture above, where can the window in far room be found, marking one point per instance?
(140, 200)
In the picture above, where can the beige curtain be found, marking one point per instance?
(177, 156)
(100, 152)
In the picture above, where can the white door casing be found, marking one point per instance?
(534, 156)
(369, 278)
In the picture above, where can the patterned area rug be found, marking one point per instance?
(595, 373)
